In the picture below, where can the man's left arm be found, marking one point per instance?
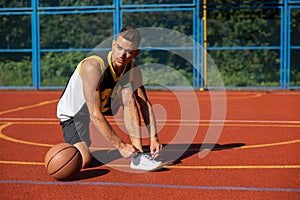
(147, 112)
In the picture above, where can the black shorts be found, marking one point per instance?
(76, 129)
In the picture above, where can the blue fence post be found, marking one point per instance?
(198, 71)
(288, 50)
(285, 47)
(117, 17)
(35, 79)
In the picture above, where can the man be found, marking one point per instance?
(98, 88)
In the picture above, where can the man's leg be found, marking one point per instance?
(71, 136)
(132, 118)
(76, 132)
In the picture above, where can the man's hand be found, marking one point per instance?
(155, 148)
(127, 150)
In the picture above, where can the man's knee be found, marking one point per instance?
(85, 153)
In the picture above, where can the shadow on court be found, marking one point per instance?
(102, 157)
(170, 152)
(179, 152)
(90, 173)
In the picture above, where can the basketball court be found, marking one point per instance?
(256, 155)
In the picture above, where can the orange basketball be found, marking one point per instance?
(63, 161)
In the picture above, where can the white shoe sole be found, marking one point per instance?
(160, 166)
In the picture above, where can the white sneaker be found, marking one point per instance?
(145, 162)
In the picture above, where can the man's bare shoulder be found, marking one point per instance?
(91, 65)
(93, 62)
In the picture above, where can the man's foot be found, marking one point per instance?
(145, 162)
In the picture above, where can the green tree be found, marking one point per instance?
(245, 25)
(66, 38)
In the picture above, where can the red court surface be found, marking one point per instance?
(256, 155)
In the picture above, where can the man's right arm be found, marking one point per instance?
(91, 73)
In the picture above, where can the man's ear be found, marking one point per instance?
(113, 43)
(136, 52)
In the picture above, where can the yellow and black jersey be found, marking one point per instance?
(72, 100)
(112, 83)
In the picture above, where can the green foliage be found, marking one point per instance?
(75, 31)
(156, 1)
(46, 3)
(56, 68)
(16, 73)
(166, 59)
(14, 4)
(229, 24)
(295, 40)
(243, 27)
(248, 67)
(238, 26)
(158, 75)
(181, 21)
(15, 31)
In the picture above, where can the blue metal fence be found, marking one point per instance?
(292, 49)
(288, 50)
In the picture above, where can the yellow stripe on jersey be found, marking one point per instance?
(112, 69)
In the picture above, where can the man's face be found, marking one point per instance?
(123, 51)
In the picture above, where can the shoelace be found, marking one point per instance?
(147, 157)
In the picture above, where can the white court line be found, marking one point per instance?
(172, 120)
